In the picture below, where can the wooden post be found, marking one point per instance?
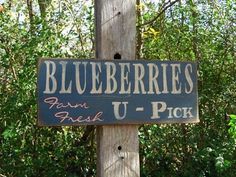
(117, 145)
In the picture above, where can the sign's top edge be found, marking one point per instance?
(117, 60)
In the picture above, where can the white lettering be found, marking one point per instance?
(153, 79)
(177, 112)
(184, 112)
(157, 107)
(116, 110)
(170, 112)
(50, 76)
(111, 71)
(124, 80)
(187, 112)
(79, 89)
(175, 78)
(164, 73)
(139, 73)
(188, 69)
(63, 79)
(95, 78)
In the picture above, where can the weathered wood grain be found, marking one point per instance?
(115, 28)
(117, 145)
(118, 151)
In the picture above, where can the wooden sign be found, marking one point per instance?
(93, 92)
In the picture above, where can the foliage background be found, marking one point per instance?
(198, 30)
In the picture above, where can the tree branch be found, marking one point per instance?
(42, 7)
(31, 14)
(139, 31)
(159, 14)
(85, 137)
